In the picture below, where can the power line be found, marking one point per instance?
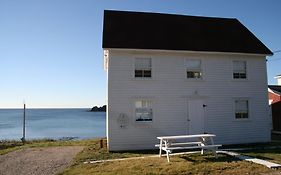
(275, 59)
(271, 56)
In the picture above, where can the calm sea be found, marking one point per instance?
(52, 123)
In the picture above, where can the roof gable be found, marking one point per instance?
(139, 30)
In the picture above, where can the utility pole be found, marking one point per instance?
(23, 124)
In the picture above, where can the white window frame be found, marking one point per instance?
(193, 69)
(148, 108)
(241, 71)
(145, 69)
(248, 108)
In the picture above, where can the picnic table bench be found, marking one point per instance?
(199, 141)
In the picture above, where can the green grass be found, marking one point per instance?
(185, 164)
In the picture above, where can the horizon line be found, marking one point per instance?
(48, 107)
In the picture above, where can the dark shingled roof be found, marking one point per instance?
(140, 30)
(275, 88)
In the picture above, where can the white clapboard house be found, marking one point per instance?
(175, 74)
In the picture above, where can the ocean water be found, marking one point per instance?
(52, 123)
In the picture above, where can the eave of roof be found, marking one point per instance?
(275, 88)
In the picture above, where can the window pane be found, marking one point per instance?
(138, 104)
(244, 115)
(237, 115)
(239, 75)
(146, 103)
(242, 75)
(143, 63)
(193, 74)
(143, 110)
(241, 105)
(239, 66)
(193, 64)
(236, 75)
(147, 73)
(138, 73)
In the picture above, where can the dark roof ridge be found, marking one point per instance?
(172, 14)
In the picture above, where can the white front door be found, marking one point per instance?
(195, 116)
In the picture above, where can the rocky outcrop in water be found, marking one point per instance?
(99, 109)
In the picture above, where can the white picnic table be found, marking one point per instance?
(202, 141)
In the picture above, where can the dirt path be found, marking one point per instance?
(41, 161)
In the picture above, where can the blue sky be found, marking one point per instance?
(51, 55)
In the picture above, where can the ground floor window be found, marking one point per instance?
(143, 110)
(241, 109)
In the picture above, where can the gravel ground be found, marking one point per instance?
(41, 161)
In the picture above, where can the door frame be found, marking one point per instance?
(204, 101)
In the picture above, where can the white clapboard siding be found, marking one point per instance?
(169, 91)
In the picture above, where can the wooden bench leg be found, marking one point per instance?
(167, 151)
(168, 158)
(202, 144)
(160, 147)
(214, 150)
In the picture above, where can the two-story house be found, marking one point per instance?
(175, 74)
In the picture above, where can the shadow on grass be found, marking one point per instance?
(144, 152)
(259, 153)
(276, 137)
(263, 151)
(275, 142)
(198, 158)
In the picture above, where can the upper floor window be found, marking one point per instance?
(241, 109)
(143, 67)
(143, 110)
(239, 69)
(193, 68)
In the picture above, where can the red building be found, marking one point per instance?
(274, 97)
(274, 93)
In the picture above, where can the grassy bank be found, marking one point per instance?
(8, 146)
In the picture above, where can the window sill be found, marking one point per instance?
(242, 120)
(143, 121)
(194, 80)
(240, 80)
(142, 79)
